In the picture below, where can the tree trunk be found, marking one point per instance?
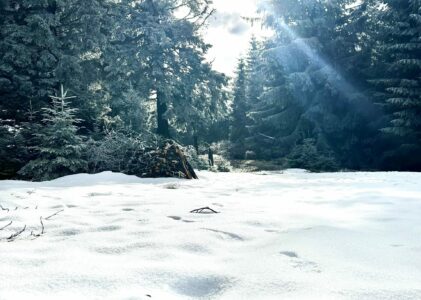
(196, 143)
(161, 108)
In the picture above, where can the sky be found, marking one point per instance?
(230, 34)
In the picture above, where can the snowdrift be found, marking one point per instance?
(291, 235)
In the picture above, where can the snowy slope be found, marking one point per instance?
(278, 236)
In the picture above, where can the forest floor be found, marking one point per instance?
(289, 235)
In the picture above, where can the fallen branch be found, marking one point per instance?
(4, 227)
(2, 208)
(54, 214)
(15, 235)
(204, 210)
(42, 229)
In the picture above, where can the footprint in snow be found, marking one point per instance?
(95, 194)
(56, 207)
(289, 254)
(230, 235)
(201, 286)
(108, 228)
(300, 263)
(171, 186)
(127, 209)
(273, 230)
(177, 218)
(69, 232)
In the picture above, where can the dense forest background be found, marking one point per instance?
(85, 84)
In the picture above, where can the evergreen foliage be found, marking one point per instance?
(238, 129)
(59, 148)
(337, 86)
(313, 75)
(399, 55)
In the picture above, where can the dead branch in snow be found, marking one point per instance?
(2, 208)
(4, 227)
(54, 214)
(42, 229)
(204, 210)
(15, 235)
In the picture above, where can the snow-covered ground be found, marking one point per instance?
(294, 235)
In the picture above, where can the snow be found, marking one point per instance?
(290, 235)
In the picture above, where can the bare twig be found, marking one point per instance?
(4, 227)
(15, 235)
(54, 214)
(42, 229)
(207, 17)
(266, 136)
(2, 208)
(204, 210)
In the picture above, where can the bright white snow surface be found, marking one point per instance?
(291, 235)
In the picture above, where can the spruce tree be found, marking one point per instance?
(277, 116)
(254, 72)
(239, 120)
(400, 53)
(307, 93)
(59, 148)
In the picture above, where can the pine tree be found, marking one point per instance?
(254, 72)
(307, 93)
(59, 148)
(239, 120)
(163, 57)
(276, 116)
(400, 50)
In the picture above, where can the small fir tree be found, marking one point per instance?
(59, 147)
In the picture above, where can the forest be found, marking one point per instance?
(90, 86)
(300, 120)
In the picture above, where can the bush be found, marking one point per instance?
(120, 151)
(308, 156)
(196, 161)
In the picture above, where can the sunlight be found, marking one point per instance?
(333, 75)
